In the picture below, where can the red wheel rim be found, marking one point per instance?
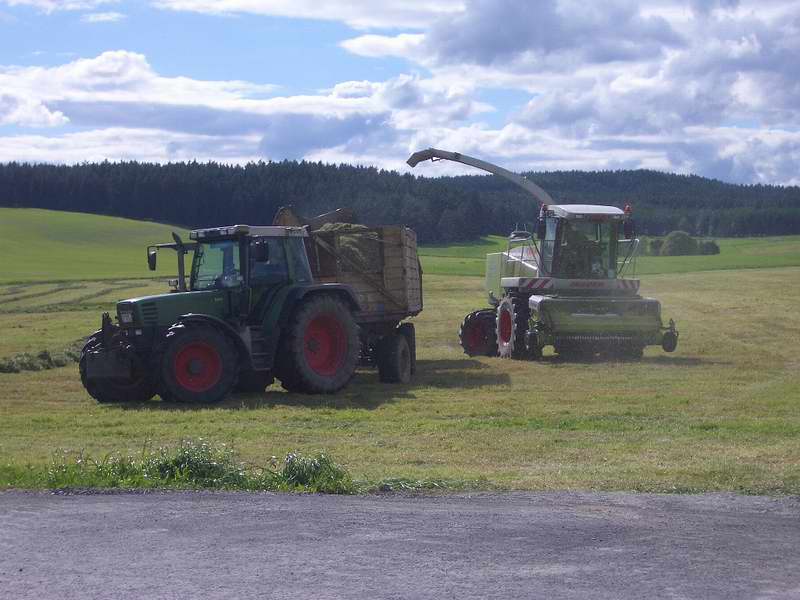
(474, 336)
(325, 345)
(198, 366)
(505, 326)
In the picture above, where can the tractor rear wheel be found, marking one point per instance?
(394, 359)
(199, 364)
(320, 349)
(139, 388)
(478, 333)
(512, 324)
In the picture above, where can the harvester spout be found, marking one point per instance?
(434, 154)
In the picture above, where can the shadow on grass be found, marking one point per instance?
(365, 391)
(678, 361)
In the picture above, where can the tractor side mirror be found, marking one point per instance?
(629, 229)
(541, 229)
(151, 258)
(261, 252)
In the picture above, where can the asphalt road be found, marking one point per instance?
(514, 545)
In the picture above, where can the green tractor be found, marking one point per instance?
(562, 285)
(253, 311)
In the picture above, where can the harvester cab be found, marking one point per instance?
(563, 285)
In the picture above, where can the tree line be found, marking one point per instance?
(440, 209)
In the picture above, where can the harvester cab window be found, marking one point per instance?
(548, 245)
(272, 270)
(585, 250)
(216, 265)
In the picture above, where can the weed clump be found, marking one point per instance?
(196, 464)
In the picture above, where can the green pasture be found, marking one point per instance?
(735, 253)
(719, 414)
(722, 413)
(47, 245)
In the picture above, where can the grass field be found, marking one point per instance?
(46, 245)
(736, 253)
(722, 413)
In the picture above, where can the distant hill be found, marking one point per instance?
(441, 210)
(46, 245)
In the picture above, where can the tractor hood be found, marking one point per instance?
(164, 309)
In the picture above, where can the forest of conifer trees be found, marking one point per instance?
(441, 209)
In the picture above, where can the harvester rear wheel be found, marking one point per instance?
(320, 349)
(198, 364)
(139, 388)
(478, 333)
(512, 324)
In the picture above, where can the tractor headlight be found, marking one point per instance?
(126, 317)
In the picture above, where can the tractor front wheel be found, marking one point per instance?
(198, 365)
(320, 350)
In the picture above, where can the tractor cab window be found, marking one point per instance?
(585, 250)
(216, 265)
(268, 261)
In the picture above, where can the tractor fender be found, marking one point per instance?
(300, 293)
(224, 327)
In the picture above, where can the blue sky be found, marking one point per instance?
(695, 86)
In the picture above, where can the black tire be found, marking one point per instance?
(253, 382)
(138, 389)
(394, 359)
(512, 324)
(478, 333)
(320, 349)
(199, 364)
(407, 329)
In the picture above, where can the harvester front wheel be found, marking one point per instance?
(478, 333)
(512, 324)
(139, 388)
(199, 364)
(321, 348)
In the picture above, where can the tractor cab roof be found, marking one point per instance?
(586, 211)
(248, 230)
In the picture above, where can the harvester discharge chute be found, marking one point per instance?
(562, 285)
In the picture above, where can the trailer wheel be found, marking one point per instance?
(394, 359)
(321, 348)
(253, 382)
(478, 333)
(407, 329)
(199, 364)
(512, 324)
(140, 388)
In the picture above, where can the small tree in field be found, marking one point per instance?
(679, 243)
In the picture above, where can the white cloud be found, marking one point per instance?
(103, 17)
(360, 15)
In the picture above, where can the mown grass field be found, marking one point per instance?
(736, 253)
(722, 413)
(47, 245)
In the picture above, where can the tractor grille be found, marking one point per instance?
(149, 313)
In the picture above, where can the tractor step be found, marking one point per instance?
(259, 351)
